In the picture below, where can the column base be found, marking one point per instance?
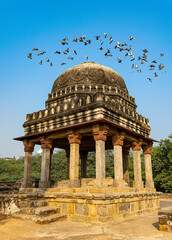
(149, 185)
(26, 184)
(138, 184)
(119, 183)
(74, 183)
(44, 184)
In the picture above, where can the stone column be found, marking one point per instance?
(74, 141)
(100, 135)
(83, 156)
(28, 148)
(68, 162)
(118, 141)
(126, 176)
(147, 151)
(136, 147)
(46, 145)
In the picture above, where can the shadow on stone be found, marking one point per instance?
(156, 225)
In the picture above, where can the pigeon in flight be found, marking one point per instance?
(29, 55)
(97, 37)
(132, 38)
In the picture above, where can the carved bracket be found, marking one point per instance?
(28, 146)
(136, 145)
(148, 148)
(46, 143)
(100, 132)
(118, 139)
(74, 138)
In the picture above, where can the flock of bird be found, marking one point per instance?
(121, 47)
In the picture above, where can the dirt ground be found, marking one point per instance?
(133, 228)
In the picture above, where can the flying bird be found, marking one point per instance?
(162, 54)
(70, 58)
(29, 55)
(156, 75)
(51, 64)
(74, 52)
(88, 41)
(74, 39)
(145, 50)
(150, 79)
(154, 61)
(97, 37)
(139, 70)
(40, 62)
(86, 57)
(105, 34)
(63, 64)
(132, 38)
(161, 66)
(57, 52)
(35, 49)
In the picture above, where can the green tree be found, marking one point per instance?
(162, 165)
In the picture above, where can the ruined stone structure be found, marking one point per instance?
(90, 109)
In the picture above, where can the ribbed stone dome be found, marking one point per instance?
(89, 73)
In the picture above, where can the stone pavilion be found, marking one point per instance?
(90, 109)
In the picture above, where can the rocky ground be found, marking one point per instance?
(133, 228)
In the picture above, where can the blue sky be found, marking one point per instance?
(25, 84)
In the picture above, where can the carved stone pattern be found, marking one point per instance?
(148, 149)
(28, 146)
(46, 143)
(89, 73)
(74, 138)
(118, 139)
(100, 132)
(136, 146)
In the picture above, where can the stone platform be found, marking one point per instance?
(100, 205)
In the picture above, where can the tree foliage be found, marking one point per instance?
(162, 165)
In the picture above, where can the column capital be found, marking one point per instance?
(28, 146)
(118, 139)
(73, 138)
(136, 145)
(148, 148)
(46, 143)
(100, 131)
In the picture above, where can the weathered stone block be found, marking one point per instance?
(93, 210)
(102, 210)
(79, 209)
(124, 207)
(70, 208)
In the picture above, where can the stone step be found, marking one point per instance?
(41, 211)
(32, 203)
(40, 219)
(37, 203)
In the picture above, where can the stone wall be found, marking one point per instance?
(81, 204)
(103, 207)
